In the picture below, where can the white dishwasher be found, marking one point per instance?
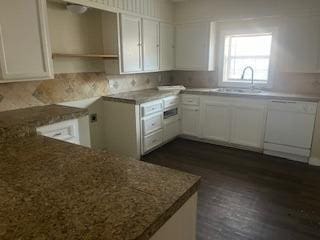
(289, 129)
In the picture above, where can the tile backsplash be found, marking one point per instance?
(296, 83)
(74, 86)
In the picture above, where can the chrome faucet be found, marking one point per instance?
(252, 75)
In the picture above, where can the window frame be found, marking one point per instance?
(243, 32)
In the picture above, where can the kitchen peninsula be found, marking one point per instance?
(51, 189)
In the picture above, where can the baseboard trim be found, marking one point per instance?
(224, 144)
(314, 161)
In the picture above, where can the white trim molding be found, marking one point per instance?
(314, 161)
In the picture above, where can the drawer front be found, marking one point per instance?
(171, 101)
(66, 131)
(152, 141)
(151, 108)
(152, 124)
(191, 100)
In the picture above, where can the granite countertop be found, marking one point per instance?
(139, 97)
(143, 96)
(55, 190)
(262, 95)
(23, 122)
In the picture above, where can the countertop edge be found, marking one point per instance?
(173, 209)
(123, 99)
(28, 128)
(273, 95)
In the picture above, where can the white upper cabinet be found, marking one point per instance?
(142, 46)
(150, 45)
(25, 52)
(195, 46)
(299, 46)
(166, 47)
(131, 44)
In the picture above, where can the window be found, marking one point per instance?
(244, 53)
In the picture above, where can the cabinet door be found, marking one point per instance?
(190, 120)
(194, 45)
(248, 124)
(25, 52)
(166, 47)
(215, 121)
(150, 45)
(131, 43)
(300, 44)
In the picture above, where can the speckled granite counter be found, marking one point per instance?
(23, 122)
(55, 190)
(262, 95)
(139, 97)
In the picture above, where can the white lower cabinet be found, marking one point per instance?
(152, 123)
(171, 130)
(135, 130)
(230, 120)
(67, 131)
(190, 120)
(153, 140)
(215, 120)
(248, 123)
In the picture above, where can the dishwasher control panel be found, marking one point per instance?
(295, 106)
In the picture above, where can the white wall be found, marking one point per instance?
(195, 10)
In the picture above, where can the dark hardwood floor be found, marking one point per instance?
(246, 195)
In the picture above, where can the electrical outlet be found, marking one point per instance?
(93, 118)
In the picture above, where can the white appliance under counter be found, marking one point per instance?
(289, 129)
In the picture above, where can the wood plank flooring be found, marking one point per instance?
(246, 195)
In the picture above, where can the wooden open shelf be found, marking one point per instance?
(56, 55)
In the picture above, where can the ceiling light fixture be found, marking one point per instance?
(76, 8)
